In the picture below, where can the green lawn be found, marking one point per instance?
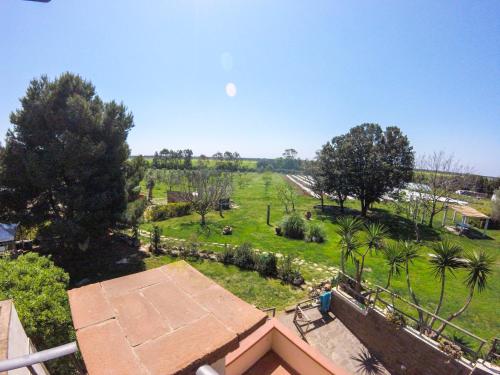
(249, 225)
(248, 285)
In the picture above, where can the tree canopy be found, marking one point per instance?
(367, 162)
(63, 167)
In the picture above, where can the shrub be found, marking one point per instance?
(451, 349)
(267, 264)
(294, 226)
(38, 289)
(133, 212)
(316, 233)
(288, 272)
(167, 211)
(396, 318)
(244, 256)
(227, 255)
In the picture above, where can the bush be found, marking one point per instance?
(267, 264)
(227, 255)
(38, 289)
(244, 256)
(451, 349)
(294, 226)
(396, 318)
(288, 272)
(133, 212)
(316, 233)
(167, 211)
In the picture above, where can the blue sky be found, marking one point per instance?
(304, 71)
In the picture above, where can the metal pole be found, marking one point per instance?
(38, 357)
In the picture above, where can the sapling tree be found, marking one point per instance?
(287, 195)
(155, 238)
(204, 189)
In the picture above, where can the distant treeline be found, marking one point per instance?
(227, 161)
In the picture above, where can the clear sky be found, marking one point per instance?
(301, 71)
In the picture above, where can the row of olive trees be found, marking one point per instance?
(446, 258)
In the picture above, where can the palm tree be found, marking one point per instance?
(375, 235)
(447, 257)
(348, 227)
(409, 252)
(479, 267)
(394, 258)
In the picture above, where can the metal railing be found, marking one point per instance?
(370, 297)
(423, 327)
(271, 311)
(30, 360)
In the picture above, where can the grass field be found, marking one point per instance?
(249, 225)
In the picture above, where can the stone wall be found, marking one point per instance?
(399, 349)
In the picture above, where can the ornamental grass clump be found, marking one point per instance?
(294, 226)
(316, 233)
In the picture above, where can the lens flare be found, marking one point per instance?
(231, 89)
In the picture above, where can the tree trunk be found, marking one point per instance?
(342, 266)
(322, 202)
(364, 208)
(360, 274)
(432, 214)
(431, 219)
(203, 219)
(417, 232)
(414, 297)
(438, 307)
(341, 203)
(458, 313)
(388, 280)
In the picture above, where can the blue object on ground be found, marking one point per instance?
(324, 300)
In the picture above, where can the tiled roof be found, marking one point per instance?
(169, 320)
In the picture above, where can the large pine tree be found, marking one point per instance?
(63, 167)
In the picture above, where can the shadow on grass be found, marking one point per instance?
(204, 231)
(112, 257)
(400, 228)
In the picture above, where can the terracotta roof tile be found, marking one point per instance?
(106, 351)
(133, 310)
(126, 284)
(89, 306)
(175, 306)
(161, 321)
(188, 348)
(233, 311)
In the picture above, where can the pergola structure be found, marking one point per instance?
(466, 212)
